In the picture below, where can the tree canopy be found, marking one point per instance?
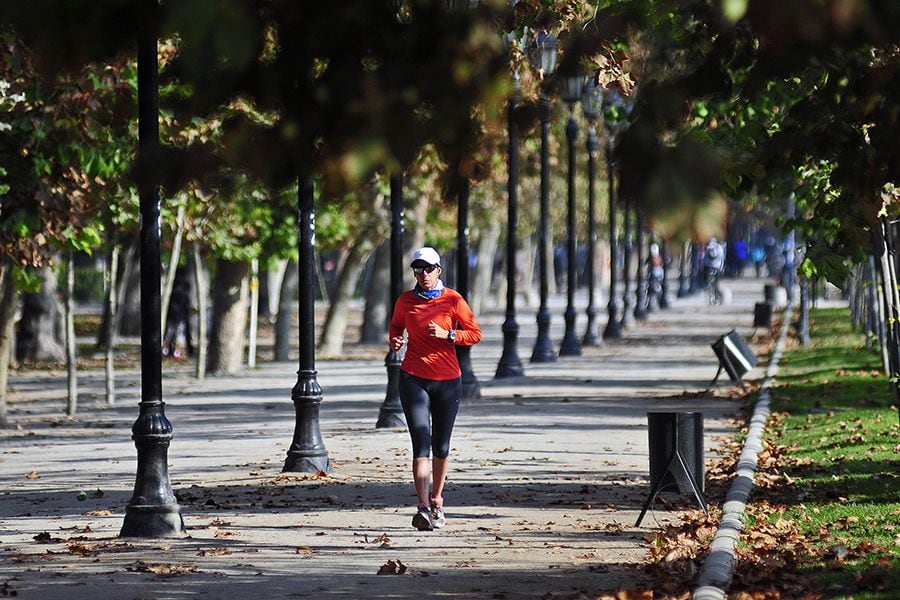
(749, 100)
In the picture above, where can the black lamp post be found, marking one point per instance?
(616, 110)
(695, 269)
(391, 413)
(627, 316)
(612, 330)
(640, 283)
(571, 93)
(683, 272)
(543, 57)
(591, 104)
(664, 284)
(471, 389)
(307, 453)
(510, 364)
(153, 511)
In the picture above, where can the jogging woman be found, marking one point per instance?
(430, 378)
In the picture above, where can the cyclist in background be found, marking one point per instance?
(713, 262)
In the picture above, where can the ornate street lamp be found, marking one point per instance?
(683, 271)
(510, 364)
(471, 389)
(613, 329)
(640, 284)
(572, 87)
(663, 299)
(617, 109)
(307, 453)
(391, 413)
(543, 58)
(591, 104)
(153, 511)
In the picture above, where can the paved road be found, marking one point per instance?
(548, 475)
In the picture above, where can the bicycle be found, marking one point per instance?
(714, 294)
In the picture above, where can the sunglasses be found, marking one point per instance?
(428, 269)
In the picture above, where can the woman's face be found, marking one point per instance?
(426, 280)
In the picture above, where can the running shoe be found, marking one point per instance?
(437, 517)
(422, 519)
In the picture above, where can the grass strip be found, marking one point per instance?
(826, 523)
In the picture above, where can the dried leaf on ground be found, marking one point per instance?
(392, 568)
(216, 551)
(162, 569)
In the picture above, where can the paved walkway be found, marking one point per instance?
(548, 475)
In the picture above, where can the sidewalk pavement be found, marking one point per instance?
(548, 474)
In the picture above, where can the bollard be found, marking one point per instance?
(676, 455)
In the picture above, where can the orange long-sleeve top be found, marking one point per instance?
(426, 356)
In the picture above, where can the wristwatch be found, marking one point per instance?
(451, 336)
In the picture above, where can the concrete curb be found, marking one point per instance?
(718, 568)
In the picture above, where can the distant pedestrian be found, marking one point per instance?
(713, 262)
(430, 377)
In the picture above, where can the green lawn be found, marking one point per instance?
(835, 441)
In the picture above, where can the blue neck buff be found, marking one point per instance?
(429, 294)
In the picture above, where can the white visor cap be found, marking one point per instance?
(427, 255)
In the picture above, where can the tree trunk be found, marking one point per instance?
(173, 266)
(414, 237)
(229, 319)
(39, 331)
(125, 251)
(202, 291)
(486, 249)
(289, 290)
(263, 305)
(71, 352)
(109, 342)
(130, 292)
(7, 322)
(527, 261)
(254, 312)
(374, 326)
(332, 341)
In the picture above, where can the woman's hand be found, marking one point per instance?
(435, 330)
(396, 342)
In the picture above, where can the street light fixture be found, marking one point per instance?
(640, 284)
(572, 86)
(153, 511)
(510, 364)
(543, 58)
(391, 413)
(471, 388)
(591, 104)
(307, 453)
(617, 109)
(613, 328)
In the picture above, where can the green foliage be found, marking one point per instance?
(27, 280)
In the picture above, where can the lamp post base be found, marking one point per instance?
(570, 345)
(391, 416)
(471, 388)
(152, 521)
(307, 453)
(543, 348)
(510, 364)
(612, 330)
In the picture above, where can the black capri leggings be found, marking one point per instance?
(424, 398)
